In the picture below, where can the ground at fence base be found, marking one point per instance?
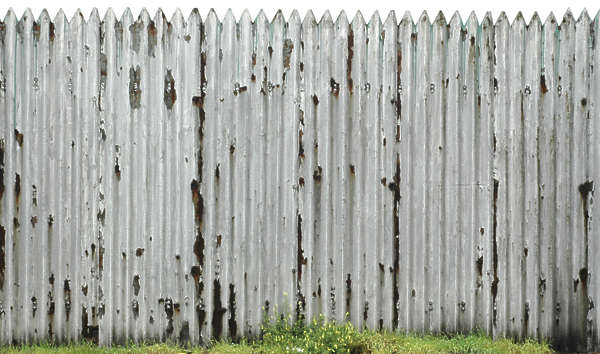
(318, 337)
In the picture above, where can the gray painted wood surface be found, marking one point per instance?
(182, 179)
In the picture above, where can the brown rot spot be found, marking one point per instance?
(366, 311)
(36, 31)
(384, 181)
(84, 289)
(195, 272)
(90, 333)
(543, 86)
(170, 93)
(481, 231)
(494, 288)
(51, 34)
(139, 252)
(586, 189)
(135, 89)
(352, 170)
(288, 47)
(218, 241)
(117, 169)
(583, 277)
(184, 333)
(2, 187)
(33, 305)
(34, 220)
(168, 303)
(218, 311)
(584, 102)
(136, 285)
(315, 99)
(67, 297)
(300, 259)
(300, 144)
(480, 266)
(348, 292)
(413, 293)
(187, 37)
(349, 60)
(232, 307)
(317, 174)
(101, 216)
(301, 181)
(17, 188)
(2, 255)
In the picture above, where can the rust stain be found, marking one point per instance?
(543, 87)
(152, 40)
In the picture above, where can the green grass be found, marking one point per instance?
(317, 337)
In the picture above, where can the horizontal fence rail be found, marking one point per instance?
(184, 179)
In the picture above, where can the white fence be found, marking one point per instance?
(179, 179)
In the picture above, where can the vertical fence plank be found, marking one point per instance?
(374, 272)
(531, 109)
(357, 57)
(291, 219)
(405, 90)
(499, 290)
(435, 154)
(452, 169)
(594, 242)
(8, 94)
(565, 190)
(547, 178)
(485, 155)
(390, 163)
